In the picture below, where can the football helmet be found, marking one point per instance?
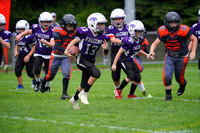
(68, 19)
(94, 19)
(117, 13)
(136, 25)
(2, 21)
(172, 17)
(45, 17)
(199, 15)
(22, 24)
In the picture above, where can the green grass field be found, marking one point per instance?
(29, 111)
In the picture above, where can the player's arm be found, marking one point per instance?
(27, 57)
(16, 50)
(115, 40)
(192, 46)
(4, 43)
(72, 43)
(153, 47)
(114, 65)
(145, 54)
(50, 44)
(26, 32)
(105, 47)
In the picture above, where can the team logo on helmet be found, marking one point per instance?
(93, 19)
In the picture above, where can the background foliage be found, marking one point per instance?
(151, 13)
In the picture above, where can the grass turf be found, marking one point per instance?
(29, 111)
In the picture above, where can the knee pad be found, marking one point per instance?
(167, 81)
(66, 74)
(137, 78)
(18, 73)
(37, 70)
(96, 73)
(31, 75)
(115, 76)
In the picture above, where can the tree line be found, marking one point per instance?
(150, 12)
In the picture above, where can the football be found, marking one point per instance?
(74, 50)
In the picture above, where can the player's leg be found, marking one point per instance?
(116, 76)
(19, 65)
(94, 75)
(29, 67)
(168, 69)
(37, 69)
(181, 64)
(126, 66)
(133, 87)
(1, 55)
(46, 65)
(66, 70)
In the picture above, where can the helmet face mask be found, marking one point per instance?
(2, 22)
(96, 22)
(68, 20)
(199, 15)
(45, 20)
(136, 29)
(117, 17)
(169, 20)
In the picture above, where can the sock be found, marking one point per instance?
(33, 82)
(47, 84)
(65, 85)
(87, 87)
(21, 86)
(132, 89)
(122, 85)
(168, 92)
(76, 95)
(141, 86)
(116, 86)
(38, 79)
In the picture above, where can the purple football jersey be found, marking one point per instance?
(90, 43)
(196, 30)
(5, 35)
(131, 47)
(119, 34)
(39, 34)
(26, 43)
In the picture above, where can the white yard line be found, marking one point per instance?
(75, 124)
(92, 125)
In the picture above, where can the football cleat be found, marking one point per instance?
(37, 86)
(146, 94)
(83, 96)
(42, 87)
(181, 89)
(33, 84)
(168, 97)
(118, 93)
(19, 87)
(65, 96)
(74, 103)
(47, 89)
(132, 96)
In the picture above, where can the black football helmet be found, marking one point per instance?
(172, 17)
(68, 19)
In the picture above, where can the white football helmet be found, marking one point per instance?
(199, 15)
(117, 13)
(94, 19)
(2, 21)
(135, 25)
(45, 17)
(22, 24)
